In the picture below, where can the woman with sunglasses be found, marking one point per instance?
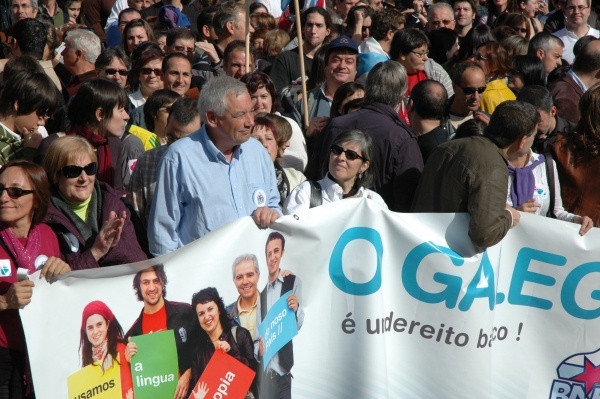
(93, 225)
(350, 172)
(113, 64)
(146, 71)
(27, 243)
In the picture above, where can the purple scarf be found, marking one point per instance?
(23, 256)
(523, 185)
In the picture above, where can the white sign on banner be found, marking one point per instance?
(395, 305)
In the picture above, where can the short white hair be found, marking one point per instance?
(85, 41)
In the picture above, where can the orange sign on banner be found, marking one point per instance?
(224, 377)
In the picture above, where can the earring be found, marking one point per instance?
(360, 176)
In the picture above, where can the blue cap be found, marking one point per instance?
(343, 42)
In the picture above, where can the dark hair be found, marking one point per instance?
(477, 36)
(514, 19)
(137, 23)
(125, 12)
(114, 336)
(351, 19)
(581, 43)
(586, 142)
(365, 142)
(179, 33)
(39, 184)
(258, 80)
(159, 270)
(316, 10)
(184, 110)
(385, 20)
(460, 69)
(236, 45)
(108, 55)
(207, 295)
(511, 6)
(33, 91)
(316, 77)
(275, 236)
(154, 102)
(444, 39)
(52, 39)
(588, 59)
(284, 129)
(429, 98)
(20, 64)
(511, 121)
(168, 58)
(352, 105)
(143, 54)
(532, 69)
(346, 90)
(471, 4)
(206, 18)
(503, 31)
(266, 123)
(256, 6)
(93, 94)
(407, 40)
(31, 36)
(538, 96)
(227, 12)
(472, 127)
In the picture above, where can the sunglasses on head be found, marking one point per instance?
(113, 71)
(148, 71)
(472, 90)
(14, 192)
(350, 154)
(72, 171)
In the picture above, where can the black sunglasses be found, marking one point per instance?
(72, 171)
(14, 192)
(350, 155)
(148, 71)
(113, 71)
(471, 90)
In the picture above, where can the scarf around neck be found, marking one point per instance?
(106, 170)
(523, 185)
(23, 255)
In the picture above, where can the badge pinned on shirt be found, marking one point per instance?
(5, 269)
(183, 335)
(259, 197)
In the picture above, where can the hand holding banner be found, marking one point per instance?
(224, 376)
(278, 328)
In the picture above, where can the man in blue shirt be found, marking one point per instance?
(215, 175)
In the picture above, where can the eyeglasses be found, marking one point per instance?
(421, 55)
(113, 71)
(471, 90)
(521, 30)
(148, 71)
(350, 155)
(364, 28)
(72, 171)
(578, 8)
(480, 57)
(14, 192)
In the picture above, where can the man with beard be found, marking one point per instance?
(468, 82)
(158, 314)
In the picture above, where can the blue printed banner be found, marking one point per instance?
(278, 328)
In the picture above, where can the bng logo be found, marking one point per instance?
(578, 377)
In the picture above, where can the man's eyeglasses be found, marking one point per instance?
(14, 192)
(471, 90)
(364, 28)
(578, 8)
(421, 55)
(113, 71)
(183, 49)
(72, 171)
(148, 71)
(350, 154)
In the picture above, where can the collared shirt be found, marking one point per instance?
(569, 39)
(248, 317)
(198, 190)
(579, 82)
(273, 294)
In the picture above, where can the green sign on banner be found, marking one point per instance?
(154, 368)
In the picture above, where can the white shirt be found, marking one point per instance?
(569, 39)
(137, 98)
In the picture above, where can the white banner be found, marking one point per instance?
(395, 305)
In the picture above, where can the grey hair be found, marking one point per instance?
(365, 142)
(215, 92)
(544, 41)
(244, 258)
(386, 83)
(440, 5)
(85, 41)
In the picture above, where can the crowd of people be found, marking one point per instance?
(130, 128)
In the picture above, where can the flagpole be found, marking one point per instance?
(301, 54)
(247, 39)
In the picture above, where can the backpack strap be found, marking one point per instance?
(551, 186)
(316, 198)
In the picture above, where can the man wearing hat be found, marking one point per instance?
(340, 68)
